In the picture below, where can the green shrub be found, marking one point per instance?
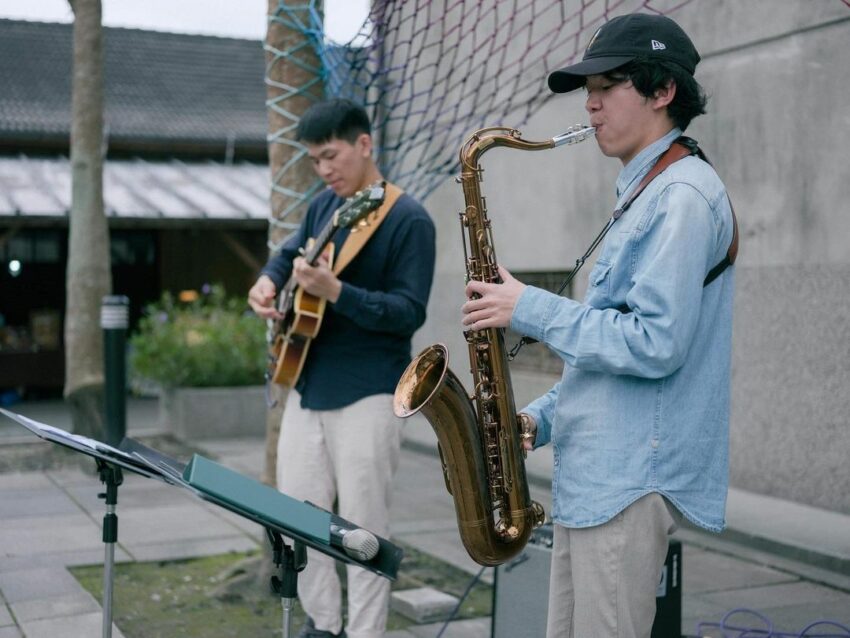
(212, 341)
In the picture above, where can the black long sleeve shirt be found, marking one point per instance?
(364, 342)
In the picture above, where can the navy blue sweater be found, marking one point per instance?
(364, 342)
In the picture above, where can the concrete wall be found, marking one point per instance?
(778, 129)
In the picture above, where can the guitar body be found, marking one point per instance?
(303, 322)
(290, 355)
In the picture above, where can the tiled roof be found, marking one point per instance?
(158, 87)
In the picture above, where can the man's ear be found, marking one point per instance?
(664, 95)
(364, 144)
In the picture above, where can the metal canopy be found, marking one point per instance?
(36, 187)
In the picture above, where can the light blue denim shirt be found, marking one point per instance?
(643, 403)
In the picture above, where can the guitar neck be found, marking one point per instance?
(353, 209)
(324, 238)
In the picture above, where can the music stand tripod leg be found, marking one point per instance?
(112, 477)
(289, 561)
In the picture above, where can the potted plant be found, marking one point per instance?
(207, 356)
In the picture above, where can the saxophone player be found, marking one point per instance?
(639, 419)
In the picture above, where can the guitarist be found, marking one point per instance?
(339, 439)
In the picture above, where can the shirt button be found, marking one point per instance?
(654, 443)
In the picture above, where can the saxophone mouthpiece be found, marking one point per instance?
(574, 135)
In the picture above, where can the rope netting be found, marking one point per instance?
(445, 68)
(432, 71)
(429, 72)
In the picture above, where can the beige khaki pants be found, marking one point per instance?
(348, 455)
(604, 578)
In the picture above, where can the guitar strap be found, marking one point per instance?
(359, 235)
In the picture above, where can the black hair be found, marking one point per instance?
(337, 118)
(649, 75)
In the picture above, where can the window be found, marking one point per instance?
(132, 248)
(40, 246)
(537, 357)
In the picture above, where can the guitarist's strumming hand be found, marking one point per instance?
(261, 298)
(318, 280)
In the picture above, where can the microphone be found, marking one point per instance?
(357, 543)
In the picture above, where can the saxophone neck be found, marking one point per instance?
(484, 139)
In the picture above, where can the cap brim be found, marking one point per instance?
(572, 77)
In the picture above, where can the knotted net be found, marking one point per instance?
(429, 72)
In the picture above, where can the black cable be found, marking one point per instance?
(460, 602)
(579, 263)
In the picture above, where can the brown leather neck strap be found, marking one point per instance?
(679, 149)
(676, 152)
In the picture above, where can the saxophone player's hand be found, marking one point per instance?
(527, 431)
(491, 305)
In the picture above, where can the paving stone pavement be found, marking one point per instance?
(52, 519)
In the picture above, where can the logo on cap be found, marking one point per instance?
(593, 39)
(658, 46)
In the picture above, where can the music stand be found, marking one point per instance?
(282, 516)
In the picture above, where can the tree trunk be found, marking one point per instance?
(88, 270)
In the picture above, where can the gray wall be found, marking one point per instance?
(778, 129)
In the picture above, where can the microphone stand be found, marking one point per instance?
(112, 477)
(289, 561)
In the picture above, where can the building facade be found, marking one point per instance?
(186, 178)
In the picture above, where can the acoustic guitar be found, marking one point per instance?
(290, 337)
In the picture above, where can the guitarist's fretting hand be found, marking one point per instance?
(261, 298)
(318, 280)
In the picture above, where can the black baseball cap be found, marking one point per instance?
(621, 40)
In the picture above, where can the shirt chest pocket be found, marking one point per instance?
(599, 283)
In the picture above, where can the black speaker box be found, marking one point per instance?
(521, 591)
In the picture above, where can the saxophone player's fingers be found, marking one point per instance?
(483, 319)
(505, 274)
(477, 288)
(477, 305)
(468, 318)
(472, 304)
(473, 318)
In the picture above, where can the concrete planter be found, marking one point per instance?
(207, 413)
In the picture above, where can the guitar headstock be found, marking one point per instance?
(359, 205)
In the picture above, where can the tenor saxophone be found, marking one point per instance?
(479, 437)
